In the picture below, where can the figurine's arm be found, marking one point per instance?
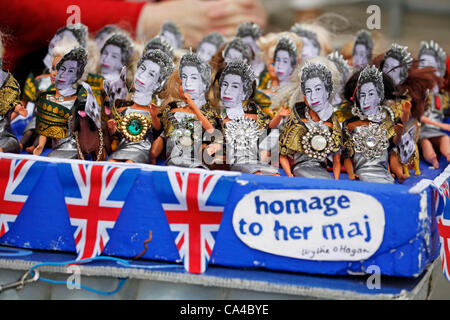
(443, 126)
(19, 109)
(156, 123)
(283, 112)
(284, 161)
(157, 148)
(337, 165)
(348, 165)
(205, 122)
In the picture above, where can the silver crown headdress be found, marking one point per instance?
(341, 64)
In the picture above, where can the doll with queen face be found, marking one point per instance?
(133, 120)
(312, 131)
(187, 114)
(367, 136)
(244, 121)
(54, 108)
(10, 107)
(411, 86)
(432, 135)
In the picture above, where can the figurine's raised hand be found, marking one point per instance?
(284, 112)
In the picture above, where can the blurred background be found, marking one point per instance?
(405, 21)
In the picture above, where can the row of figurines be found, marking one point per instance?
(317, 114)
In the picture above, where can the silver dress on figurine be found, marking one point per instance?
(138, 152)
(8, 141)
(242, 147)
(185, 142)
(65, 148)
(428, 130)
(374, 169)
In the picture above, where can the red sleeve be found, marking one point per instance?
(30, 25)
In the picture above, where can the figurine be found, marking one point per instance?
(10, 107)
(412, 86)
(362, 49)
(209, 45)
(312, 131)
(432, 135)
(91, 133)
(367, 136)
(54, 109)
(134, 120)
(182, 118)
(69, 37)
(243, 123)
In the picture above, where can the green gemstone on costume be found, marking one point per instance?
(134, 127)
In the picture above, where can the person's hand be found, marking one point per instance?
(196, 18)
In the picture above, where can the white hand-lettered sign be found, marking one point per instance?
(311, 224)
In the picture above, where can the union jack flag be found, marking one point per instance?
(94, 196)
(16, 183)
(444, 234)
(439, 196)
(193, 204)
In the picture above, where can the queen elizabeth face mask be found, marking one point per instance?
(206, 51)
(232, 95)
(427, 60)
(111, 61)
(146, 81)
(369, 99)
(66, 77)
(360, 55)
(283, 66)
(390, 67)
(192, 83)
(318, 97)
(309, 49)
(233, 54)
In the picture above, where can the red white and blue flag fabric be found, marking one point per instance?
(17, 179)
(193, 203)
(440, 195)
(94, 196)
